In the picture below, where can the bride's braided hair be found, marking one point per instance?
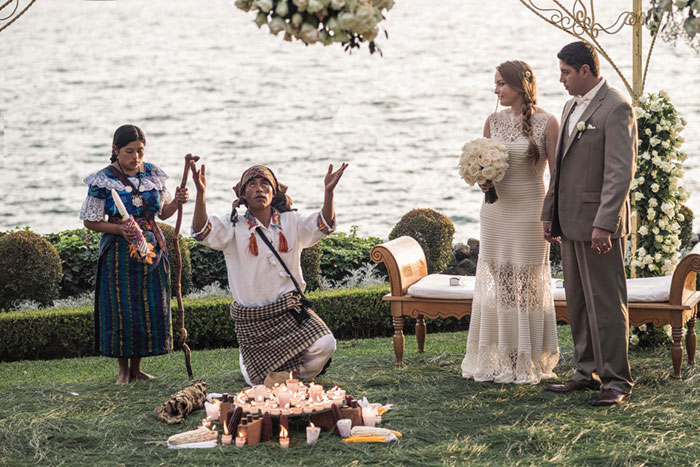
(520, 77)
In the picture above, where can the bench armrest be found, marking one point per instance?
(404, 260)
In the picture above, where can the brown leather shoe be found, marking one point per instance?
(572, 386)
(610, 397)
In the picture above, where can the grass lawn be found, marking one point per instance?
(70, 412)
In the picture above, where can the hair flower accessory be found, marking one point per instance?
(527, 75)
(583, 126)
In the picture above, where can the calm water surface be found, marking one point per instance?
(200, 77)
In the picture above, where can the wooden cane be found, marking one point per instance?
(178, 271)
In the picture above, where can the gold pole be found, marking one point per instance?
(637, 90)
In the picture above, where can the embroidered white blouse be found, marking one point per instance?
(257, 280)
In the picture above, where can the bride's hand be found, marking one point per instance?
(486, 186)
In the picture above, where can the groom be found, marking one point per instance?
(587, 208)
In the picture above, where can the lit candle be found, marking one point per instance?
(284, 396)
(240, 439)
(292, 383)
(315, 391)
(226, 437)
(312, 433)
(284, 437)
(212, 409)
(259, 392)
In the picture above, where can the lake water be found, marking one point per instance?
(200, 77)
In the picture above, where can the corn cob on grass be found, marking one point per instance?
(193, 436)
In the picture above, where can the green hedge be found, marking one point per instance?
(67, 333)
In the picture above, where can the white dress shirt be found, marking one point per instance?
(581, 106)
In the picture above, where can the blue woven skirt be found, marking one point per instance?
(132, 301)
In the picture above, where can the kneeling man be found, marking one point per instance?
(275, 332)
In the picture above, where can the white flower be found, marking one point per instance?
(314, 6)
(347, 21)
(665, 144)
(337, 4)
(653, 203)
(371, 34)
(654, 141)
(308, 34)
(638, 112)
(647, 131)
(260, 19)
(300, 4)
(654, 187)
(282, 9)
(643, 230)
(297, 19)
(264, 5)
(244, 5)
(276, 25)
(581, 126)
(634, 340)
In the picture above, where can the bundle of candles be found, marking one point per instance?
(290, 398)
(248, 415)
(139, 248)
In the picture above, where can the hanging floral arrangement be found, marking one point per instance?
(657, 195)
(347, 22)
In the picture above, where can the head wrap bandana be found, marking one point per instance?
(280, 201)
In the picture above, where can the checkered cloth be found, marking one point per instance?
(270, 338)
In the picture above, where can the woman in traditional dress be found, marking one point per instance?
(512, 333)
(132, 293)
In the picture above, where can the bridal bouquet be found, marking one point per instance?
(349, 22)
(483, 160)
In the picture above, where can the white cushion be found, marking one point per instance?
(438, 286)
(645, 289)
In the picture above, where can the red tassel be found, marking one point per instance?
(253, 245)
(284, 246)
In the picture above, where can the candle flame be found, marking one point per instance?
(225, 428)
(290, 375)
(311, 424)
(283, 432)
(241, 434)
(334, 388)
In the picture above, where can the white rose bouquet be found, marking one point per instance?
(483, 160)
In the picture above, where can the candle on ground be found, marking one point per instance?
(312, 433)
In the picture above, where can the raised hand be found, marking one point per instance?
(199, 177)
(332, 178)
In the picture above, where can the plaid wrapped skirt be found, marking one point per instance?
(132, 301)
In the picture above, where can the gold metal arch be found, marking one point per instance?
(580, 21)
(12, 13)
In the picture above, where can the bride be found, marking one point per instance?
(512, 333)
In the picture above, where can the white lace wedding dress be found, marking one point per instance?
(512, 333)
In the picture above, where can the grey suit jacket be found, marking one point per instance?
(591, 182)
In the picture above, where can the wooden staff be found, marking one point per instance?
(178, 271)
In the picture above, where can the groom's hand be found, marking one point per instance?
(600, 240)
(547, 228)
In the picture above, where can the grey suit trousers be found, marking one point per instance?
(596, 297)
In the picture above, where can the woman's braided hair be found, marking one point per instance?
(520, 77)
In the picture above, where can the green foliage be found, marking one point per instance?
(208, 265)
(79, 250)
(311, 266)
(64, 333)
(186, 277)
(433, 231)
(686, 218)
(30, 269)
(342, 253)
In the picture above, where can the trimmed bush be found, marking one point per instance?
(311, 266)
(186, 276)
(30, 269)
(433, 231)
(79, 250)
(208, 266)
(67, 333)
(343, 253)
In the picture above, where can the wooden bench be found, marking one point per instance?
(406, 264)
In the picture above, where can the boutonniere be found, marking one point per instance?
(583, 126)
